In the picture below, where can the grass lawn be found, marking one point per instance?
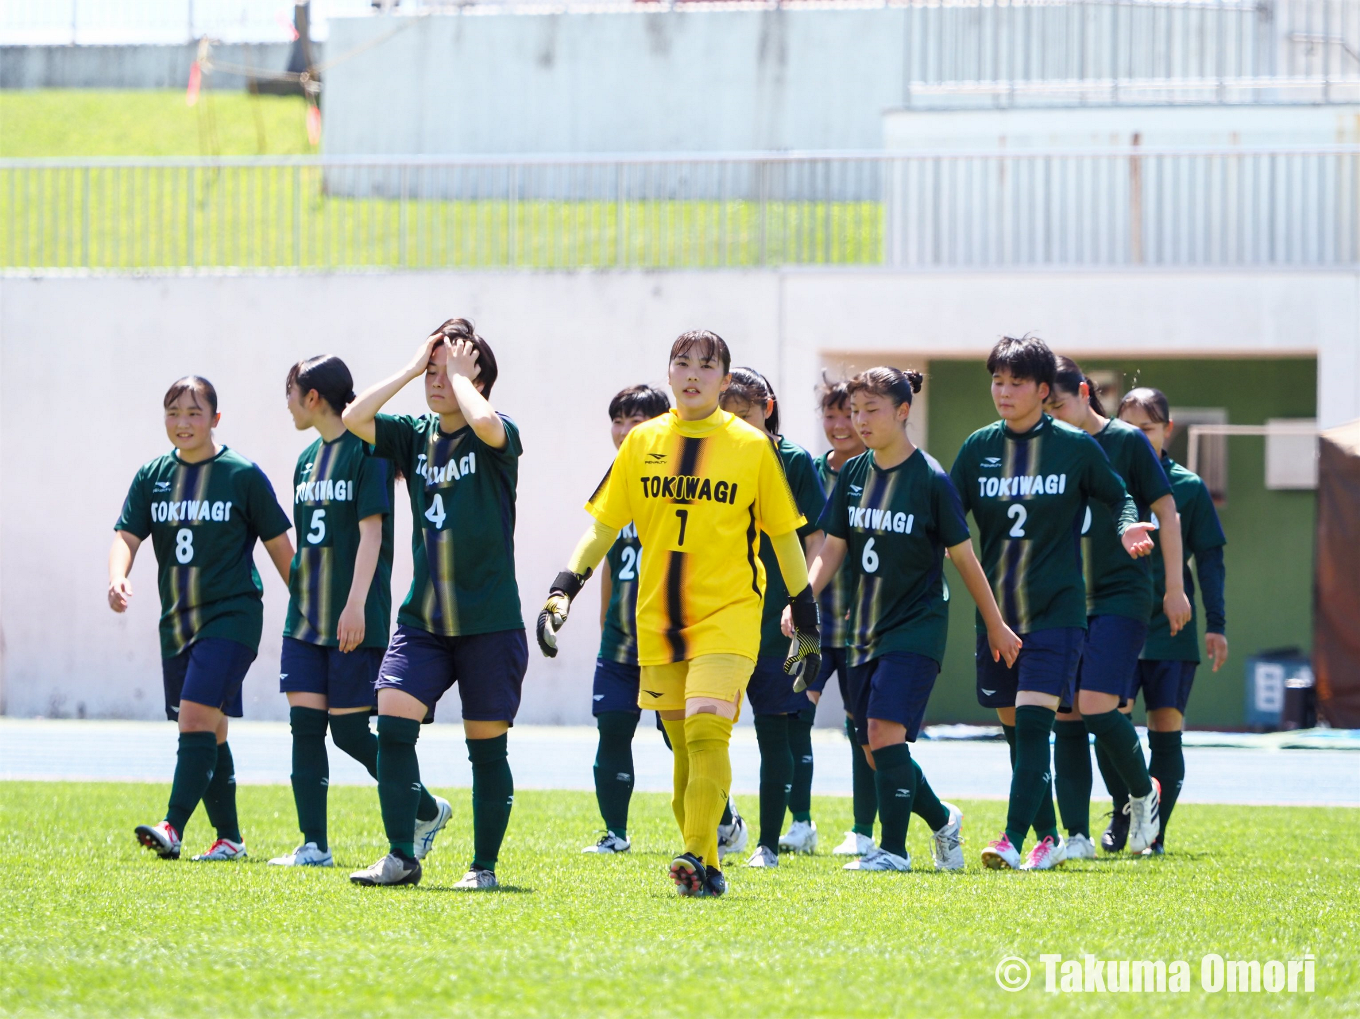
(91, 924)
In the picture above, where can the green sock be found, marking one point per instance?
(493, 794)
(776, 776)
(219, 799)
(1119, 792)
(398, 780)
(800, 745)
(1072, 775)
(1114, 732)
(927, 805)
(350, 733)
(895, 779)
(311, 772)
(194, 766)
(1046, 820)
(614, 769)
(1168, 767)
(1030, 784)
(864, 790)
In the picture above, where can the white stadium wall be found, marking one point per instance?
(84, 362)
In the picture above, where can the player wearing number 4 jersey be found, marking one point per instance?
(1027, 480)
(700, 485)
(461, 620)
(203, 506)
(890, 518)
(340, 605)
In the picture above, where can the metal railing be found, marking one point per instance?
(1240, 206)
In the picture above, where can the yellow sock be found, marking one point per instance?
(710, 776)
(675, 732)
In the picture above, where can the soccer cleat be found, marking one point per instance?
(1117, 834)
(800, 838)
(161, 838)
(1156, 849)
(855, 844)
(764, 856)
(715, 885)
(880, 859)
(1145, 822)
(305, 855)
(221, 851)
(1000, 854)
(1079, 847)
(1046, 855)
(427, 830)
(478, 879)
(609, 843)
(732, 838)
(689, 874)
(946, 845)
(390, 870)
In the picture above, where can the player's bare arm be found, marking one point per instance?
(121, 557)
(360, 414)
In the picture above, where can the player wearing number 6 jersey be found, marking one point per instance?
(701, 486)
(203, 506)
(461, 620)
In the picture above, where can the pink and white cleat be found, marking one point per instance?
(1001, 855)
(1046, 855)
(162, 839)
(221, 850)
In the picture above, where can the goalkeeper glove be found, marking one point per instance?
(564, 588)
(805, 650)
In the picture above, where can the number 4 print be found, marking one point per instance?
(435, 514)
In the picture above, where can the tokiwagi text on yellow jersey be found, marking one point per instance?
(700, 493)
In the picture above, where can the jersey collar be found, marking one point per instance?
(1044, 422)
(702, 427)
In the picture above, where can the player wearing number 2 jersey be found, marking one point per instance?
(203, 506)
(461, 620)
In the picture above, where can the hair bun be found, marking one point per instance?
(915, 378)
(350, 397)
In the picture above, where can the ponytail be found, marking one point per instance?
(1068, 377)
(328, 375)
(894, 383)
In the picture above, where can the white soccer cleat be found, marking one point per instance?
(855, 844)
(999, 854)
(390, 870)
(1046, 855)
(1079, 847)
(305, 855)
(427, 830)
(763, 857)
(732, 838)
(1145, 820)
(880, 859)
(946, 845)
(800, 838)
(478, 880)
(609, 843)
(222, 850)
(162, 839)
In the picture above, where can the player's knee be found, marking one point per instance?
(710, 706)
(707, 731)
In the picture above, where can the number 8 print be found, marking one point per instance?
(184, 545)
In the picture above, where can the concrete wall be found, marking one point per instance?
(133, 66)
(566, 343)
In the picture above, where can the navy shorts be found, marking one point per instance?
(615, 688)
(1047, 664)
(345, 679)
(893, 687)
(770, 691)
(209, 671)
(1164, 684)
(1109, 657)
(833, 660)
(488, 668)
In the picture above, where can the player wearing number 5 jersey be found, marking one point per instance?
(203, 506)
(701, 486)
(461, 620)
(1027, 480)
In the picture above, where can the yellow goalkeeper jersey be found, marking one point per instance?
(700, 493)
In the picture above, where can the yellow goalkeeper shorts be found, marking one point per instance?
(720, 676)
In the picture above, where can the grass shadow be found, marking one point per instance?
(511, 889)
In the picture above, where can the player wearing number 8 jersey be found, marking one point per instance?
(700, 485)
(203, 506)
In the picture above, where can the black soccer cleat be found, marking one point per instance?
(689, 874)
(392, 869)
(1117, 834)
(715, 885)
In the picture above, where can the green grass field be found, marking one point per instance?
(91, 924)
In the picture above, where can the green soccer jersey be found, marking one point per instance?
(1116, 583)
(835, 600)
(463, 510)
(618, 639)
(1028, 494)
(203, 520)
(335, 485)
(807, 495)
(896, 524)
(1201, 535)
